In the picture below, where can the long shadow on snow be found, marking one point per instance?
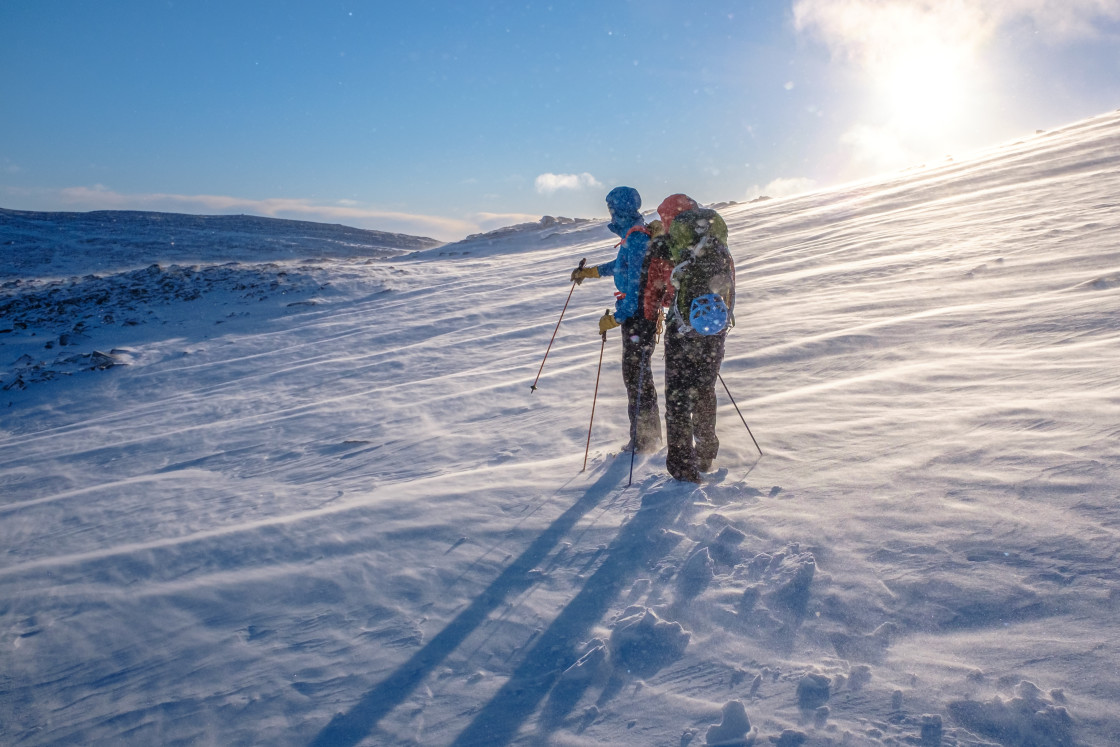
(639, 542)
(353, 726)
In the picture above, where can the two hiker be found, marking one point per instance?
(680, 263)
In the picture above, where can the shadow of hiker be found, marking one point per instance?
(352, 727)
(640, 541)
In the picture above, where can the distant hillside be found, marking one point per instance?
(36, 243)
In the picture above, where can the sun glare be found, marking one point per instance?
(922, 65)
(923, 91)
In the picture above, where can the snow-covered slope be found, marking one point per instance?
(330, 511)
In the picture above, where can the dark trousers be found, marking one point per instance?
(638, 338)
(691, 368)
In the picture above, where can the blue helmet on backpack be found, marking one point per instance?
(708, 314)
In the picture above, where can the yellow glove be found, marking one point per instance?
(606, 323)
(582, 273)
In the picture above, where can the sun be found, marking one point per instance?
(924, 90)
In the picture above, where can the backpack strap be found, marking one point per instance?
(639, 229)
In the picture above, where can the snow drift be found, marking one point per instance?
(316, 502)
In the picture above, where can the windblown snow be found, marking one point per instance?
(310, 499)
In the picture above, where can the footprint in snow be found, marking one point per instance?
(868, 648)
(1028, 718)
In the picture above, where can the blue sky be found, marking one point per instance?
(447, 118)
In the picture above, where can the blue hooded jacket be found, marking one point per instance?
(626, 269)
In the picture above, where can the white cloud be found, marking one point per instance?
(874, 33)
(870, 31)
(1060, 20)
(547, 184)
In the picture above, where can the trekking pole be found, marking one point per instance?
(637, 416)
(738, 411)
(593, 399)
(533, 386)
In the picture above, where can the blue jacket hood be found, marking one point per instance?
(624, 204)
(626, 268)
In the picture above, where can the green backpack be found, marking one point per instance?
(704, 273)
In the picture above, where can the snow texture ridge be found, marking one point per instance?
(308, 498)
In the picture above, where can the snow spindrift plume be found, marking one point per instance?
(279, 500)
(788, 187)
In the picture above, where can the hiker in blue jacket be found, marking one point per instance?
(638, 333)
